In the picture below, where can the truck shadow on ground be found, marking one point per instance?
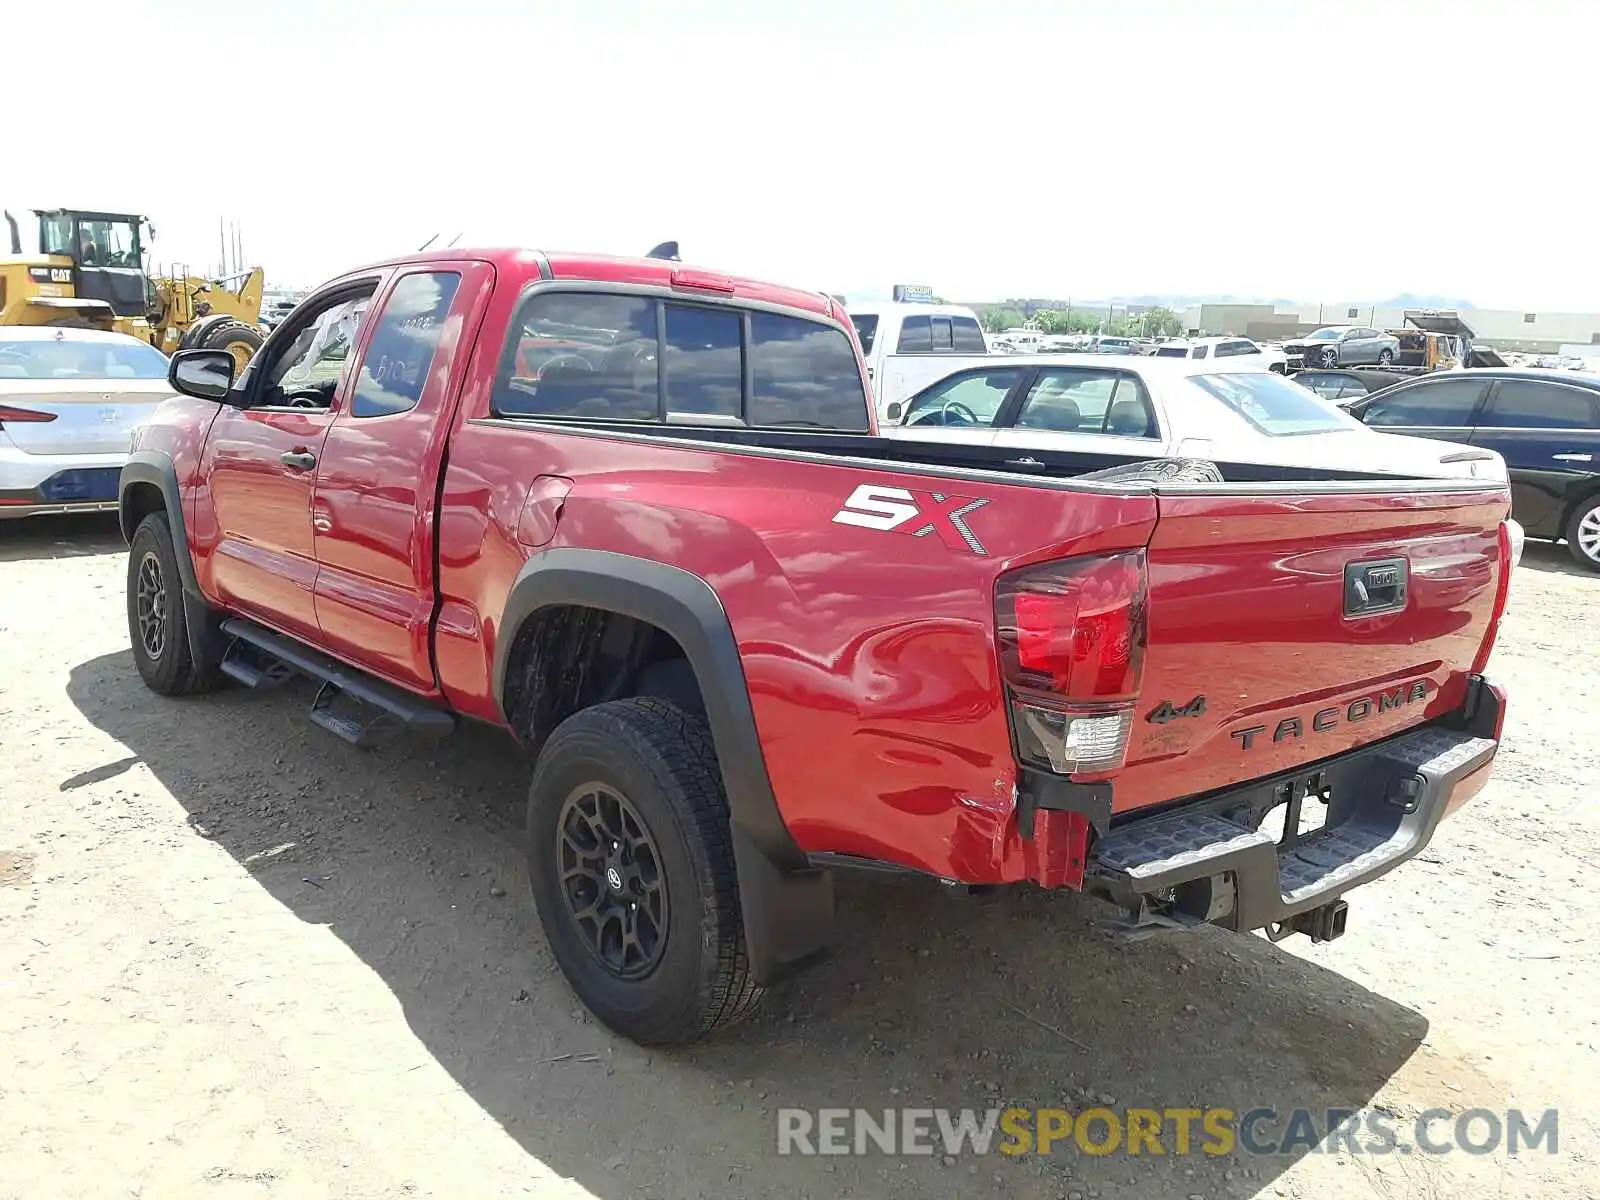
(65, 536)
(412, 856)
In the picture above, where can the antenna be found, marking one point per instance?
(222, 243)
(427, 243)
(238, 246)
(454, 240)
(666, 250)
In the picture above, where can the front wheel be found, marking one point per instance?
(1330, 356)
(1583, 534)
(157, 624)
(630, 854)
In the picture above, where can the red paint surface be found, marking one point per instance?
(870, 659)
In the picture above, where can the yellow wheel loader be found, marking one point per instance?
(88, 270)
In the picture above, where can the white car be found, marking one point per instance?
(1229, 411)
(69, 399)
(1224, 347)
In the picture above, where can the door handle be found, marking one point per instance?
(1573, 457)
(299, 460)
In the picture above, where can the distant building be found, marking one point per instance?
(1544, 333)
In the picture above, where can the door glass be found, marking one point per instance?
(1441, 402)
(1527, 404)
(308, 371)
(400, 354)
(965, 401)
(1069, 400)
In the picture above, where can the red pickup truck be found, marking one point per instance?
(638, 515)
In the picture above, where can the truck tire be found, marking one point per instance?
(237, 338)
(157, 623)
(630, 854)
(1583, 534)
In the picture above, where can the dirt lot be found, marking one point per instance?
(238, 958)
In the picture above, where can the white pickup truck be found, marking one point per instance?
(908, 344)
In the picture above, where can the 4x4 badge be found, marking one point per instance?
(1164, 712)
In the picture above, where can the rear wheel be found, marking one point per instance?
(157, 624)
(630, 855)
(1385, 357)
(1583, 534)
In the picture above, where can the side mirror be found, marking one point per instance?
(893, 412)
(204, 374)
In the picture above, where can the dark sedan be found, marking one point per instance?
(1546, 424)
(1345, 385)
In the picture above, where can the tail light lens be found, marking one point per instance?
(1072, 639)
(18, 416)
(1502, 590)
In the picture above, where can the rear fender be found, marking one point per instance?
(787, 903)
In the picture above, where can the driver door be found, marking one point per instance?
(261, 463)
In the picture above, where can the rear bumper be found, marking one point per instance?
(32, 485)
(1209, 862)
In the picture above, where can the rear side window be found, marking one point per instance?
(916, 336)
(1080, 400)
(398, 358)
(596, 356)
(1172, 352)
(1232, 349)
(968, 336)
(1531, 404)
(572, 354)
(1200, 351)
(866, 330)
(803, 373)
(1437, 402)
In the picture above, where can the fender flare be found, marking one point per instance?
(787, 903)
(201, 621)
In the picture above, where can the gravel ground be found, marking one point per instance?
(238, 958)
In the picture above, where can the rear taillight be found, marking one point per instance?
(1506, 561)
(1072, 638)
(11, 415)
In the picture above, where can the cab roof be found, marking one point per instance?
(518, 263)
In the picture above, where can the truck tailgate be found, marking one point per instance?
(1284, 614)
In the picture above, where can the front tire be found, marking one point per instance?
(1330, 356)
(1583, 534)
(630, 854)
(157, 624)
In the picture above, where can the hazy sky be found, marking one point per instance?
(1072, 148)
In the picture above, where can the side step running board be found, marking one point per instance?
(259, 658)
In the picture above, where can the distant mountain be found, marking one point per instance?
(1412, 300)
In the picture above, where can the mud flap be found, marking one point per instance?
(788, 914)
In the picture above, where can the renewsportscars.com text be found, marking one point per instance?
(1163, 1131)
